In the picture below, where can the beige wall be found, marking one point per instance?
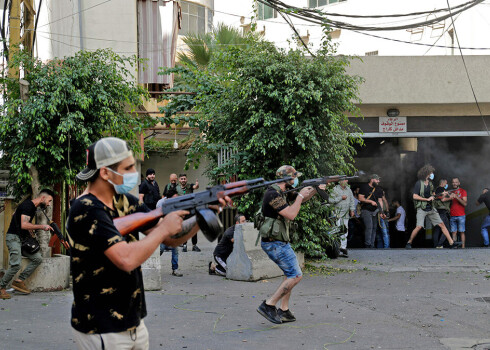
(174, 163)
(427, 85)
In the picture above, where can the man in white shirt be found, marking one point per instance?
(398, 238)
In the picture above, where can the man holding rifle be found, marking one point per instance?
(423, 196)
(109, 302)
(274, 234)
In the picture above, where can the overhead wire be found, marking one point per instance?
(315, 17)
(75, 13)
(467, 73)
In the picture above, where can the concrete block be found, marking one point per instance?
(151, 269)
(53, 274)
(248, 262)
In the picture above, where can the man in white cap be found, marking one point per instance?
(275, 242)
(109, 301)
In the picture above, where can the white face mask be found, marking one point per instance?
(431, 176)
(129, 181)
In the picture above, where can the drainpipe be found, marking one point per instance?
(80, 23)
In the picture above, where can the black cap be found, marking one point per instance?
(150, 171)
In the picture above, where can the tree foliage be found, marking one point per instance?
(273, 107)
(72, 103)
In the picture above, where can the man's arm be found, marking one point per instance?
(25, 224)
(419, 198)
(142, 191)
(128, 256)
(362, 199)
(196, 185)
(396, 217)
(290, 212)
(335, 197)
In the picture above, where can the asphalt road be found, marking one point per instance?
(375, 299)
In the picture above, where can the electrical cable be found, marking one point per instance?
(35, 27)
(467, 73)
(2, 30)
(305, 14)
(75, 13)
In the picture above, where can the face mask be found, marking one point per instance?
(295, 183)
(129, 181)
(445, 186)
(375, 184)
(431, 176)
(43, 205)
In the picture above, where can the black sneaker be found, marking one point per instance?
(184, 248)
(195, 248)
(344, 253)
(455, 245)
(286, 316)
(211, 272)
(269, 312)
(408, 246)
(176, 273)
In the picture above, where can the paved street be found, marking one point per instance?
(376, 299)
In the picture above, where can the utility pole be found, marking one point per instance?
(15, 38)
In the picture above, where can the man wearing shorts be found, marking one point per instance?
(423, 195)
(458, 216)
(275, 242)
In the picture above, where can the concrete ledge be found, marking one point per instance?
(53, 274)
(248, 262)
(151, 270)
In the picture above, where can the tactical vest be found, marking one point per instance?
(276, 228)
(439, 204)
(423, 204)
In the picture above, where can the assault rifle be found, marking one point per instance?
(196, 204)
(315, 183)
(441, 195)
(58, 233)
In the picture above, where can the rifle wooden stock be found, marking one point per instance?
(130, 223)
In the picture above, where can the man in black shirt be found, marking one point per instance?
(275, 242)
(442, 204)
(224, 248)
(18, 230)
(149, 192)
(109, 300)
(485, 198)
(423, 195)
(370, 197)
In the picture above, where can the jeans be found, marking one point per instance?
(383, 224)
(175, 255)
(484, 230)
(437, 236)
(283, 255)
(370, 223)
(15, 258)
(458, 223)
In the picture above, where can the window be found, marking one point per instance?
(193, 19)
(266, 12)
(319, 3)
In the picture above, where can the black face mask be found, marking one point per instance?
(375, 184)
(42, 205)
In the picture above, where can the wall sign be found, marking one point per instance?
(392, 124)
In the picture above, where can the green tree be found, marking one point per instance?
(274, 107)
(72, 102)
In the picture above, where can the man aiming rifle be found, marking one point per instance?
(109, 303)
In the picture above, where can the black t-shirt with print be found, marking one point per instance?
(26, 208)
(107, 299)
(273, 203)
(366, 190)
(225, 245)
